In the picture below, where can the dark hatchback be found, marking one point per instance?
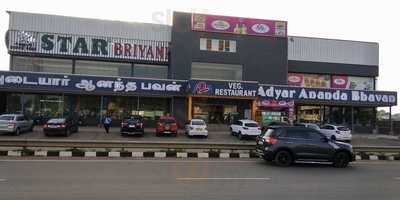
(60, 126)
(284, 145)
(132, 125)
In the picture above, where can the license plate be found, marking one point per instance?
(167, 132)
(199, 129)
(131, 126)
(53, 126)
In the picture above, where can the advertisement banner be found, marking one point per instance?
(223, 88)
(355, 97)
(309, 80)
(352, 82)
(238, 25)
(14, 81)
(87, 46)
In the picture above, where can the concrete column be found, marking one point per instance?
(189, 114)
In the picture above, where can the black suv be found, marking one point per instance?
(283, 145)
(132, 125)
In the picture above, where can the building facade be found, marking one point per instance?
(217, 68)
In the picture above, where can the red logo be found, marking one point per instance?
(202, 88)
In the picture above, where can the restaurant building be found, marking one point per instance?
(218, 68)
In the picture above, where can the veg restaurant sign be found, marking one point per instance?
(366, 97)
(223, 88)
(238, 25)
(87, 46)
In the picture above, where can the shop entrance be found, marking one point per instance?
(220, 111)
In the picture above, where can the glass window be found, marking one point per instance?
(150, 71)
(216, 71)
(37, 64)
(14, 103)
(89, 110)
(102, 68)
(209, 44)
(298, 134)
(220, 45)
(203, 44)
(227, 46)
(251, 125)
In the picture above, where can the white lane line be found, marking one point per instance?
(397, 178)
(3, 180)
(220, 178)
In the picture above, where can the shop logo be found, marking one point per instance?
(339, 81)
(220, 25)
(202, 88)
(25, 41)
(294, 79)
(260, 28)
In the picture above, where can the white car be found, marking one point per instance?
(309, 125)
(196, 127)
(244, 127)
(336, 132)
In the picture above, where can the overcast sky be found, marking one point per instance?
(361, 20)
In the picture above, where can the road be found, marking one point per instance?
(94, 133)
(195, 179)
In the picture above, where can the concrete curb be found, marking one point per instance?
(156, 154)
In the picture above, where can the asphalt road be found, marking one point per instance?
(195, 179)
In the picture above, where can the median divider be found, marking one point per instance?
(141, 149)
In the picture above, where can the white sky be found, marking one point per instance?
(362, 20)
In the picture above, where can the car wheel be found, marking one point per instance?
(67, 132)
(31, 128)
(240, 136)
(18, 132)
(232, 133)
(341, 160)
(283, 158)
(333, 137)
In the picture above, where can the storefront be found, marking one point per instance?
(221, 102)
(42, 96)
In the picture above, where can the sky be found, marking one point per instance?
(360, 20)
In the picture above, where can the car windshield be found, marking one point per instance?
(268, 133)
(313, 126)
(251, 124)
(56, 121)
(342, 128)
(198, 122)
(6, 117)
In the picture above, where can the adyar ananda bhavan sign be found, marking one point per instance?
(71, 83)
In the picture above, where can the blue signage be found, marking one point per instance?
(223, 88)
(90, 84)
(357, 97)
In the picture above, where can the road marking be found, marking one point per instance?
(397, 178)
(219, 178)
(3, 180)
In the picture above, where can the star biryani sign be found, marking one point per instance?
(88, 46)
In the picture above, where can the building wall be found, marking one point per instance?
(86, 26)
(328, 56)
(264, 59)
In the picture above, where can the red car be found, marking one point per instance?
(166, 126)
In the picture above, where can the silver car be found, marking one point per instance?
(15, 123)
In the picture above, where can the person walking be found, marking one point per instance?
(107, 123)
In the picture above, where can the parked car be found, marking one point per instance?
(245, 128)
(285, 145)
(15, 123)
(132, 125)
(166, 126)
(196, 127)
(60, 126)
(335, 132)
(308, 125)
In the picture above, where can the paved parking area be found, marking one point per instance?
(96, 133)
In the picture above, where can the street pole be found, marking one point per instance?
(390, 121)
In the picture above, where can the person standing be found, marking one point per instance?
(107, 123)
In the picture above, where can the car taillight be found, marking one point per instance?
(11, 125)
(259, 128)
(245, 128)
(124, 124)
(62, 125)
(270, 140)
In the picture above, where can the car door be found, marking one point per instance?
(235, 126)
(20, 123)
(318, 146)
(296, 139)
(327, 130)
